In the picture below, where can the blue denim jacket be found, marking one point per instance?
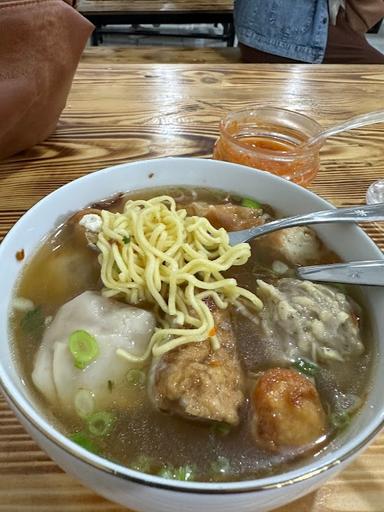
(296, 29)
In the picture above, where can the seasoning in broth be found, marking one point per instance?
(157, 345)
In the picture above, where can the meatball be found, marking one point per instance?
(287, 410)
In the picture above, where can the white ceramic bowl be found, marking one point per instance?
(150, 493)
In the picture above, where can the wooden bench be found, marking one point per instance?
(160, 55)
(157, 12)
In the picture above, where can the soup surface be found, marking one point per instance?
(292, 372)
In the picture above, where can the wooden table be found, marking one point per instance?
(118, 113)
(136, 12)
(161, 55)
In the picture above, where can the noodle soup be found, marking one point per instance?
(157, 345)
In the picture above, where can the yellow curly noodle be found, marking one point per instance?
(155, 253)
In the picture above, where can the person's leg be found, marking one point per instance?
(345, 46)
(250, 55)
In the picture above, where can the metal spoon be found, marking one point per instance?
(353, 122)
(370, 213)
(356, 272)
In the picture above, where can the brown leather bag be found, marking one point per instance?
(40, 46)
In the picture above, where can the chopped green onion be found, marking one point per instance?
(126, 239)
(250, 203)
(136, 377)
(101, 423)
(83, 347)
(84, 403)
(83, 440)
(184, 473)
(221, 429)
(142, 463)
(306, 367)
(340, 420)
(221, 466)
(167, 472)
(32, 323)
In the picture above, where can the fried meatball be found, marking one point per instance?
(287, 410)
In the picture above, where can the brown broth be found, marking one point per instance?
(64, 267)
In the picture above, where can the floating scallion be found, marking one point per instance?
(184, 473)
(167, 472)
(221, 466)
(142, 463)
(135, 377)
(84, 403)
(32, 323)
(84, 441)
(101, 423)
(83, 347)
(222, 429)
(340, 420)
(306, 367)
(250, 203)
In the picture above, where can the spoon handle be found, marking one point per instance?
(354, 122)
(366, 213)
(360, 272)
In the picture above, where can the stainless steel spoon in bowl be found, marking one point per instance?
(357, 214)
(369, 273)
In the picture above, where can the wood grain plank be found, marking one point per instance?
(33, 483)
(124, 112)
(153, 6)
(159, 55)
(119, 113)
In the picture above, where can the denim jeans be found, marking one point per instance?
(296, 29)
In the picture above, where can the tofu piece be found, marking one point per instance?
(299, 245)
(198, 383)
(229, 216)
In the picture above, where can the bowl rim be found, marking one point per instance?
(21, 404)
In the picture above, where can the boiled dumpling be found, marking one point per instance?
(310, 320)
(114, 325)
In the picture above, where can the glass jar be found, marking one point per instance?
(375, 192)
(270, 139)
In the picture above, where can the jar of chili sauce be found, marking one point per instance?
(270, 139)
